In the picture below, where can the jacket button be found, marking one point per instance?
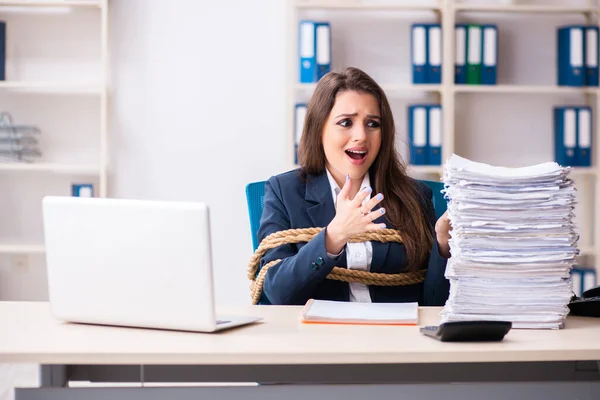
(320, 260)
(314, 266)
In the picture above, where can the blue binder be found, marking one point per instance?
(2, 50)
(583, 279)
(82, 190)
(434, 53)
(591, 56)
(307, 47)
(583, 152)
(434, 134)
(570, 55)
(460, 58)
(417, 133)
(299, 117)
(323, 48)
(565, 135)
(419, 50)
(489, 59)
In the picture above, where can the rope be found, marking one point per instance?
(290, 236)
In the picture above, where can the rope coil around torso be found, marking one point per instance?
(290, 236)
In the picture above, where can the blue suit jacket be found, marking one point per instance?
(292, 203)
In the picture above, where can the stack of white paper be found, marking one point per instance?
(513, 243)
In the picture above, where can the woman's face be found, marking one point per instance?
(352, 135)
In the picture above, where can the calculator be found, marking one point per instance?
(468, 331)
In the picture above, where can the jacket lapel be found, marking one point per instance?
(319, 193)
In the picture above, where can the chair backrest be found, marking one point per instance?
(440, 205)
(255, 193)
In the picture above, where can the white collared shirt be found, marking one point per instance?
(358, 255)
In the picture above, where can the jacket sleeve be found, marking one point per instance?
(293, 280)
(436, 287)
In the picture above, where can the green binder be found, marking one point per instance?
(474, 53)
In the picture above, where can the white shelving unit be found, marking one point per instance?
(446, 13)
(97, 88)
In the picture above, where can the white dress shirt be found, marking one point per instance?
(358, 255)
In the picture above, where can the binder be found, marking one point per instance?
(583, 154)
(434, 53)
(417, 132)
(577, 281)
(299, 117)
(474, 54)
(434, 135)
(307, 52)
(590, 279)
(583, 278)
(570, 55)
(418, 42)
(460, 57)
(591, 56)
(82, 190)
(323, 48)
(2, 50)
(490, 54)
(565, 135)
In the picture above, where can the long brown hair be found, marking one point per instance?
(403, 201)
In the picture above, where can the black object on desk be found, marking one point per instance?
(468, 331)
(588, 305)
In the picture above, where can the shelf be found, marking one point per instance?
(52, 87)
(388, 88)
(532, 89)
(586, 251)
(425, 169)
(584, 171)
(512, 89)
(51, 3)
(358, 5)
(21, 249)
(51, 167)
(523, 8)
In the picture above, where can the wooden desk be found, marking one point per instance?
(281, 349)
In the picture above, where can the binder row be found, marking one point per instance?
(583, 279)
(476, 56)
(573, 135)
(577, 48)
(314, 50)
(426, 53)
(425, 134)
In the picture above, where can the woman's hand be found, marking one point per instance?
(352, 217)
(442, 233)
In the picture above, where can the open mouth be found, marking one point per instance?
(357, 155)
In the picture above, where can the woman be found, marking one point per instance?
(351, 181)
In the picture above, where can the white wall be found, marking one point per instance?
(198, 112)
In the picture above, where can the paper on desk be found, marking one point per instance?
(513, 243)
(326, 311)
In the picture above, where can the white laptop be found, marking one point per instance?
(138, 263)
